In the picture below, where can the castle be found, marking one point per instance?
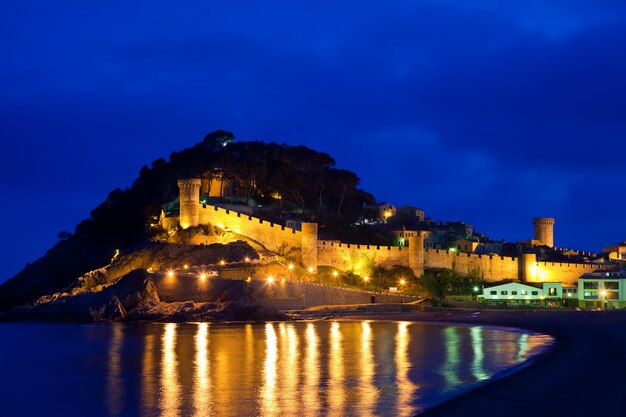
(357, 258)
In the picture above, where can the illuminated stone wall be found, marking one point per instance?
(274, 237)
(361, 258)
(492, 267)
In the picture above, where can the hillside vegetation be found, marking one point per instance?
(307, 182)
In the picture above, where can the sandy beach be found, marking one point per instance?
(582, 375)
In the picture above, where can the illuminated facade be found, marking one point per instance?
(359, 259)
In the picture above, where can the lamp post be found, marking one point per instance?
(475, 291)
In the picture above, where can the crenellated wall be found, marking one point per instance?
(361, 258)
(358, 258)
(274, 237)
(491, 267)
(567, 273)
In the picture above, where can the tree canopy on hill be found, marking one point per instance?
(303, 177)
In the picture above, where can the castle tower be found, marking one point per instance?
(189, 202)
(527, 267)
(416, 254)
(544, 230)
(309, 245)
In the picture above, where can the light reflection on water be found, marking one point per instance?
(359, 368)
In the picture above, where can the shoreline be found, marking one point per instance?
(576, 376)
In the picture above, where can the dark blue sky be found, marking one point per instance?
(474, 111)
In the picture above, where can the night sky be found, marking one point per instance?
(473, 111)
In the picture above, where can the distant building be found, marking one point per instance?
(618, 250)
(385, 211)
(412, 211)
(602, 289)
(294, 224)
(518, 293)
(401, 236)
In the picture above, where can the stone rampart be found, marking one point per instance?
(351, 257)
(491, 267)
(274, 237)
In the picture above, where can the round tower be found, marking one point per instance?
(416, 254)
(309, 245)
(544, 230)
(189, 202)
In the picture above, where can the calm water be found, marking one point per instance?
(354, 368)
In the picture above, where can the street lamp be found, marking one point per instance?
(603, 295)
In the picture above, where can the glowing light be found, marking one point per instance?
(169, 373)
(387, 214)
(282, 280)
(150, 270)
(603, 293)
(222, 262)
(290, 266)
(246, 259)
(202, 387)
(203, 275)
(335, 273)
(269, 403)
(366, 278)
(476, 289)
(310, 269)
(405, 387)
(402, 281)
(186, 266)
(270, 279)
(170, 273)
(453, 250)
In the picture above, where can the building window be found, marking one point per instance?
(493, 292)
(552, 291)
(504, 292)
(611, 285)
(535, 292)
(590, 285)
(513, 292)
(524, 292)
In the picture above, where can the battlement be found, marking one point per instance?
(333, 244)
(240, 219)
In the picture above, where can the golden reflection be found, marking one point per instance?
(478, 367)
(312, 373)
(202, 386)
(269, 404)
(453, 359)
(289, 370)
(148, 383)
(115, 390)
(336, 388)
(170, 389)
(406, 387)
(368, 393)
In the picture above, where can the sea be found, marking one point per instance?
(318, 368)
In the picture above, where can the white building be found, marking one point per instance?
(519, 293)
(602, 289)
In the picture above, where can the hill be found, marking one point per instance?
(267, 174)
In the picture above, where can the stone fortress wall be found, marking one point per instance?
(357, 257)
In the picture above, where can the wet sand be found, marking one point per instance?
(582, 375)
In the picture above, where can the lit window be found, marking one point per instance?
(504, 292)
